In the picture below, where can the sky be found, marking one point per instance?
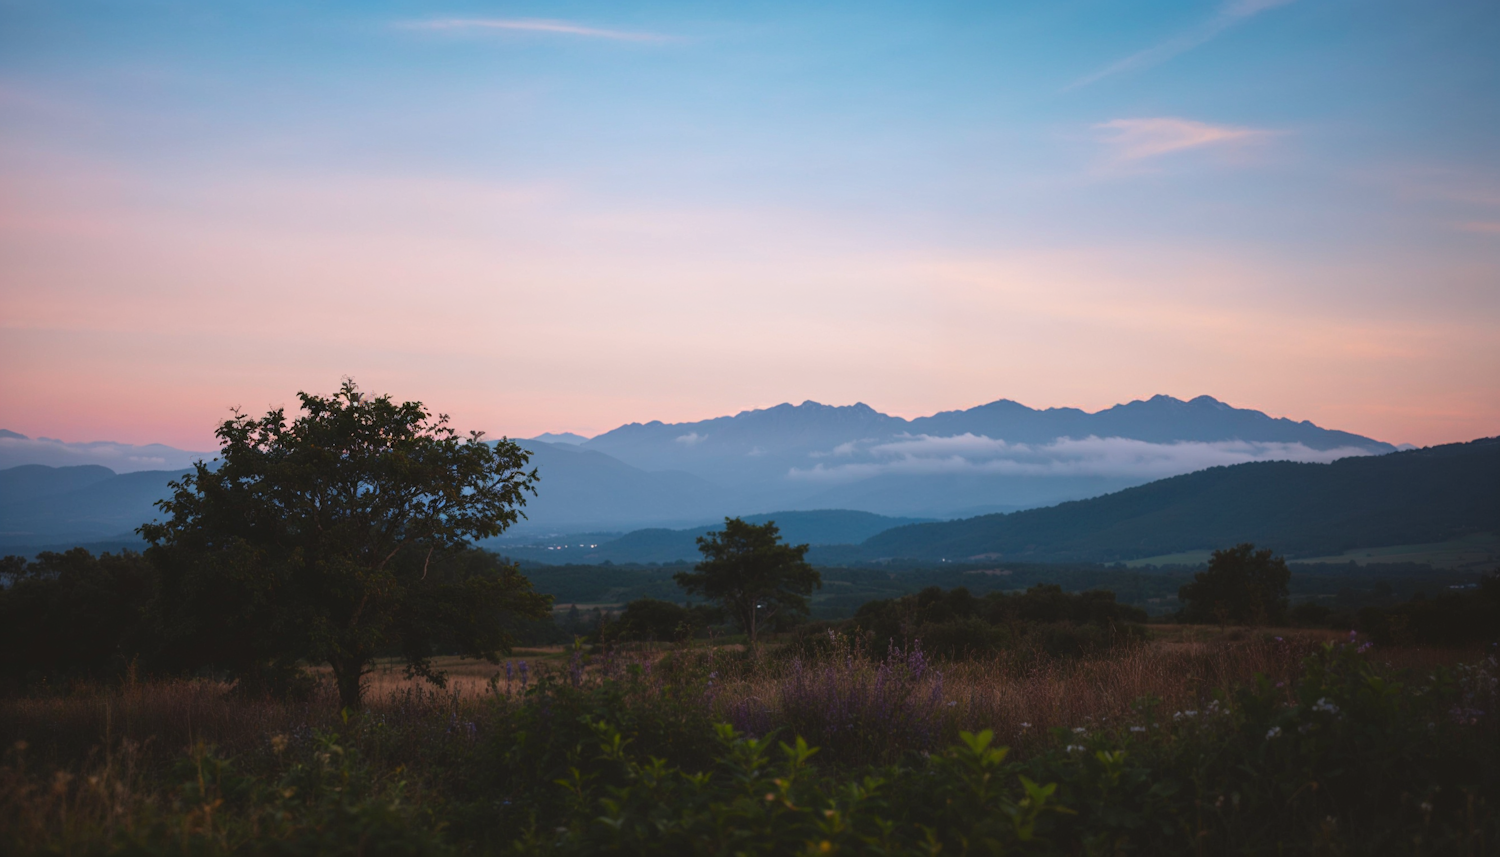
(568, 216)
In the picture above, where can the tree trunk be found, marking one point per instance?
(349, 673)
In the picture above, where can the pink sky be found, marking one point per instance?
(141, 314)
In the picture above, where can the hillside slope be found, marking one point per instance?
(1425, 495)
(822, 527)
(43, 505)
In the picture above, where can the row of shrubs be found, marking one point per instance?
(637, 759)
(1452, 618)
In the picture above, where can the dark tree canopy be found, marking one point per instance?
(1241, 586)
(339, 536)
(752, 574)
(71, 614)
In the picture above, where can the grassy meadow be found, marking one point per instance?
(1195, 740)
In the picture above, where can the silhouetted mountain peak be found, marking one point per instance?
(1209, 401)
(561, 437)
(13, 434)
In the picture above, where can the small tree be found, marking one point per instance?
(752, 573)
(1241, 586)
(339, 536)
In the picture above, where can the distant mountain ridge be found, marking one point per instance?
(993, 457)
(17, 449)
(1160, 419)
(998, 457)
(560, 437)
(813, 426)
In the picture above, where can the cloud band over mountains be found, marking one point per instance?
(17, 449)
(921, 455)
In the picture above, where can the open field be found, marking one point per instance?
(1476, 552)
(1131, 744)
(1183, 558)
(1181, 665)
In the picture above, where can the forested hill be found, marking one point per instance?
(1419, 496)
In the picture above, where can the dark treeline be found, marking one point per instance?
(1344, 589)
(78, 615)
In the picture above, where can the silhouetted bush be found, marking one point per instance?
(1451, 619)
(649, 619)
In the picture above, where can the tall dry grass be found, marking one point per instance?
(911, 704)
(165, 717)
(1018, 694)
(156, 718)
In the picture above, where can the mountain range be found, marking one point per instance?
(995, 458)
(992, 458)
(17, 449)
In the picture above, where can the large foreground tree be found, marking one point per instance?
(752, 573)
(339, 536)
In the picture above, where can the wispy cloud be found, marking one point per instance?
(1090, 456)
(1228, 16)
(1134, 139)
(1481, 227)
(534, 25)
(119, 457)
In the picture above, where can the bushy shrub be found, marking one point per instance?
(649, 619)
(319, 798)
(534, 741)
(765, 796)
(1450, 619)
